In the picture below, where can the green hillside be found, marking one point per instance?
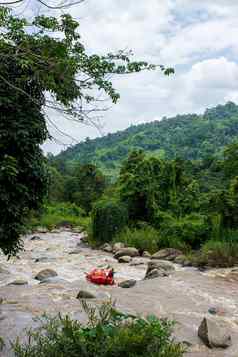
(190, 137)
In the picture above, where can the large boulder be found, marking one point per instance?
(83, 294)
(130, 251)
(183, 260)
(213, 334)
(106, 248)
(167, 254)
(45, 274)
(156, 273)
(127, 284)
(35, 238)
(124, 259)
(161, 264)
(146, 254)
(118, 246)
(138, 261)
(162, 267)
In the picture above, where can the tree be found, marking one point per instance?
(56, 185)
(85, 186)
(230, 163)
(43, 65)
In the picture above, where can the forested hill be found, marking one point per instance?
(188, 136)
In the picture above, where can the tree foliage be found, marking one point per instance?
(43, 65)
(85, 186)
(109, 217)
(190, 137)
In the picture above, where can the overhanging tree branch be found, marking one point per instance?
(65, 5)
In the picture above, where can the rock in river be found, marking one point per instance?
(45, 274)
(83, 294)
(118, 246)
(54, 280)
(167, 254)
(158, 268)
(130, 251)
(127, 283)
(106, 248)
(124, 259)
(213, 334)
(35, 238)
(146, 254)
(156, 273)
(160, 264)
(18, 282)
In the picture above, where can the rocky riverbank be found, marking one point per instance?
(49, 276)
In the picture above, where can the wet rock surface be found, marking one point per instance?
(45, 274)
(130, 251)
(167, 254)
(185, 295)
(127, 284)
(158, 268)
(124, 259)
(106, 248)
(18, 282)
(214, 334)
(82, 294)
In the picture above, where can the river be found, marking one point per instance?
(185, 296)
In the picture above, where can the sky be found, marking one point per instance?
(197, 38)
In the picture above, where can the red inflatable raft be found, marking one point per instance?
(101, 276)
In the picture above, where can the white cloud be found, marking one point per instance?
(208, 83)
(201, 39)
(198, 38)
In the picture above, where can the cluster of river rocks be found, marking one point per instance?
(160, 265)
(49, 276)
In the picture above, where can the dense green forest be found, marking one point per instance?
(184, 199)
(190, 137)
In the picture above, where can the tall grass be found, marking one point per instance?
(143, 239)
(57, 215)
(220, 253)
(149, 239)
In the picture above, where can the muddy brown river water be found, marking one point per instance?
(185, 296)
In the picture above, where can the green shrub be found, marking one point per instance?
(145, 238)
(221, 254)
(191, 230)
(107, 334)
(68, 209)
(109, 217)
(176, 242)
(61, 214)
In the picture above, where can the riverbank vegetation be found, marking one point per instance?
(155, 203)
(108, 333)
